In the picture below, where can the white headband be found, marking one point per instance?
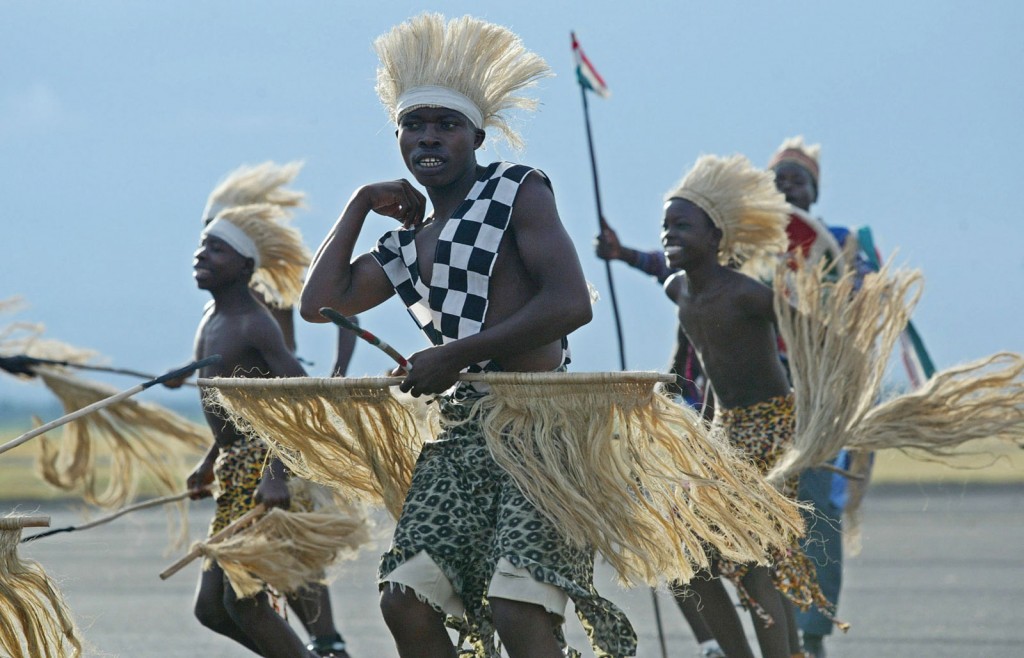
(434, 96)
(235, 237)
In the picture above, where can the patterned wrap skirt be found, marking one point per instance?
(469, 517)
(762, 432)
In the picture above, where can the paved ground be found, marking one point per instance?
(941, 575)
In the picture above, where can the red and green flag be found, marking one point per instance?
(587, 75)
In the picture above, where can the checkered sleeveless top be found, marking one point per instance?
(454, 305)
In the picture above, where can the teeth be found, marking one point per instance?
(430, 162)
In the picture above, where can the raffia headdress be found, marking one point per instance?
(258, 232)
(741, 201)
(262, 183)
(466, 64)
(807, 156)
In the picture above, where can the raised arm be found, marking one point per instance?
(608, 247)
(348, 286)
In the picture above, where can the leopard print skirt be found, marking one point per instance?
(466, 513)
(762, 432)
(238, 469)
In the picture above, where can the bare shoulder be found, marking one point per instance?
(753, 295)
(535, 201)
(257, 325)
(676, 286)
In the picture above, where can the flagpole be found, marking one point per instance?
(601, 225)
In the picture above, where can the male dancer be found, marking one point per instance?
(493, 280)
(724, 214)
(240, 244)
(797, 174)
(267, 183)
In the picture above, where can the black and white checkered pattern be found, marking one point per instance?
(455, 304)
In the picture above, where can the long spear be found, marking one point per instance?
(22, 364)
(146, 504)
(589, 79)
(106, 402)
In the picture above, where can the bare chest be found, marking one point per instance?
(226, 338)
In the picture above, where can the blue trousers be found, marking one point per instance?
(823, 544)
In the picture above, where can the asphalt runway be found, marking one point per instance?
(941, 574)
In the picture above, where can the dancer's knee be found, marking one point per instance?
(403, 611)
(210, 612)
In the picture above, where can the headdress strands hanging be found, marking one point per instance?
(465, 64)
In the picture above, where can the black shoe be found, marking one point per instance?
(330, 646)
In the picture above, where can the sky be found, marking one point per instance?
(117, 119)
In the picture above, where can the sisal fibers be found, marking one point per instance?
(977, 400)
(34, 620)
(839, 340)
(141, 439)
(638, 477)
(288, 550)
(615, 465)
(348, 434)
(485, 62)
(861, 463)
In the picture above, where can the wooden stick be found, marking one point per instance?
(153, 502)
(342, 321)
(552, 378)
(832, 468)
(15, 522)
(106, 402)
(238, 524)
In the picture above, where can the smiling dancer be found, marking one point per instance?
(723, 214)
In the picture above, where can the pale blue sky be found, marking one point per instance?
(117, 118)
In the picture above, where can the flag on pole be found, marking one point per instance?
(586, 73)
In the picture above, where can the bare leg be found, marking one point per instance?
(526, 630)
(312, 605)
(792, 630)
(688, 604)
(720, 615)
(271, 634)
(210, 611)
(418, 629)
(774, 639)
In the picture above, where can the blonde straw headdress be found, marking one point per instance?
(466, 64)
(262, 183)
(257, 231)
(741, 201)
